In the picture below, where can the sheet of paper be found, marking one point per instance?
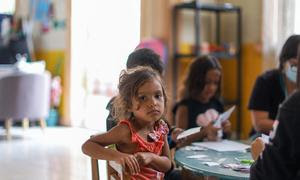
(197, 156)
(224, 145)
(211, 163)
(188, 132)
(221, 160)
(194, 148)
(265, 138)
(224, 116)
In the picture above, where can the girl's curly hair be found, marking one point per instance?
(129, 82)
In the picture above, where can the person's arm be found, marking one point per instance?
(181, 117)
(257, 147)
(226, 127)
(181, 121)
(261, 121)
(95, 147)
(260, 104)
(161, 163)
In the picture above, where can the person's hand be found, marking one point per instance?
(143, 158)
(211, 114)
(257, 146)
(226, 126)
(206, 118)
(175, 133)
(129, 164)
(189, 139)
(211, 132)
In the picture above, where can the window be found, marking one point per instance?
(297, 17)
(7, 6)
(103, 33)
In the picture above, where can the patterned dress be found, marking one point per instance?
(158, 135)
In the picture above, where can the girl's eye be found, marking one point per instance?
(158, 96)
(212, 82)
(142, 98)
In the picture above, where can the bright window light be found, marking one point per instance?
(7, 6)
(297, 17)
(103, 33)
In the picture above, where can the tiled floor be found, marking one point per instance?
(54, 154)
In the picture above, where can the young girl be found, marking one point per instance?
(141, 137)
(200, 104)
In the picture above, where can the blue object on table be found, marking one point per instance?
(197, 166)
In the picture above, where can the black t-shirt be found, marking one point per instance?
(196, 107)
(280, 159)
(110, 121)
(268, 93)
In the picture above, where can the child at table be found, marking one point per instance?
(199, 104)
(141, 136)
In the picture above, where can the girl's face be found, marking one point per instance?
(149, 104)
(212, 80)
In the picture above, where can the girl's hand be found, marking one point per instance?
(129, 164)
(206, 118)
(211, 132)
(226, 126)
(211, 115)
(202, 120)
(257, 146)
(143, 158)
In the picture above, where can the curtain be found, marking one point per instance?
(278, 25)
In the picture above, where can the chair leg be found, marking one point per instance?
(95, 169)
(25, 123)
(43, 123)
(8, 124)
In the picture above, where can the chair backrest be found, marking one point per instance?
(114, 170)
(25, 95)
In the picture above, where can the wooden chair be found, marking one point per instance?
(95, 169)
(114, 170)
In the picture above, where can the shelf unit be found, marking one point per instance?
(217, 9)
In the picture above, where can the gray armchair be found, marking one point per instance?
(26, 97)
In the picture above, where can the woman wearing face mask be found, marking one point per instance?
(273, 87)
(279, 159)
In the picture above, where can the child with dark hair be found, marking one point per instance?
(141, 134)
(199, 104)
(139, 57)
(147, 57)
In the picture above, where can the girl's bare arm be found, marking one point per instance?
(95, 147)
(161, 163)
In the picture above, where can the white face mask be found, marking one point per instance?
(291, 73)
